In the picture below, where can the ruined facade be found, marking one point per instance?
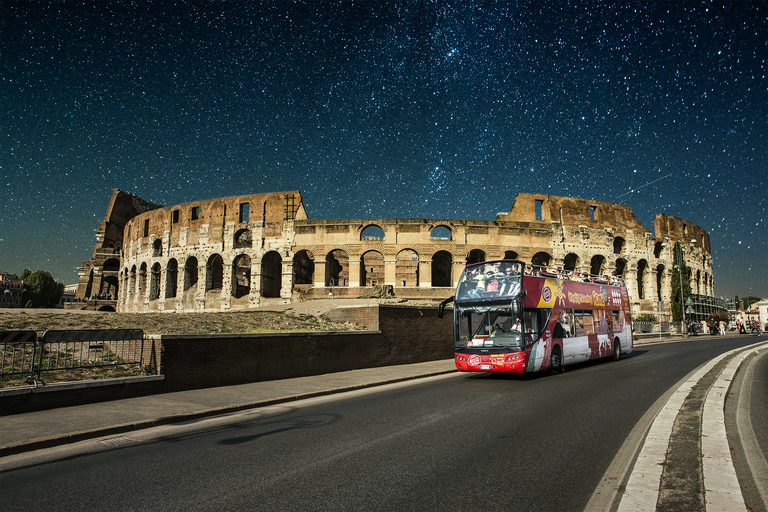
(245, 251)
(98, 278)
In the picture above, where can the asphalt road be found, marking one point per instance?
(455, 442)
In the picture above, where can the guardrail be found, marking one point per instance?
(58, 350)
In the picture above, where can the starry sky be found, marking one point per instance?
(435, 109)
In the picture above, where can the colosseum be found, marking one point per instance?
(245, 251)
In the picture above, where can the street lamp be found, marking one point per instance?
(679, 266)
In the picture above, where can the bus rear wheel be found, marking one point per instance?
(616, 349)
(555, 361)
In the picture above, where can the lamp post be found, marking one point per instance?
(679, 266)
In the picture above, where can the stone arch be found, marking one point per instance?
(541, 259)
(190, 273)
(642, 266)
(475, 256)
(171, 278)
(441, 232)
(442, 263)
(372, 232)
(142, 279)
(597, 265)
(241, 276)
(698, 282)
(157, 248)
(659, 281)
(571, 262)
(657, 248)
(243, 239)
(111, 265)
(618, 245)
(214, 273)
(620, 268)
(407, 268)
(109, 286)
(303, 267)
(271, 274)
(511, 255)
(371, 268)
(337, 268)
(154, 282)
(131, 282)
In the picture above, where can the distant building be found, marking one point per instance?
(11, 291)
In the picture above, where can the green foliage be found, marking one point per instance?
(680, 268)
(40, 289)
(748, 301)
(645, 317)
(716, 318)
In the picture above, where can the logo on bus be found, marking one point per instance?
(474, 360)
(546, 294)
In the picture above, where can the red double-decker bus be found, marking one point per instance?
(513, 318)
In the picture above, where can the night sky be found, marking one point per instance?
(434, 109)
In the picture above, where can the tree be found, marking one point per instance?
(678, 268)
(748, 301)
(41, 290)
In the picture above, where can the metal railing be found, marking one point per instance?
(59, 350)
(19, 349)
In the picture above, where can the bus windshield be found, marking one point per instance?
(490, 329)
(491, 280)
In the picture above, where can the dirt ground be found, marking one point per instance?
(294, 317)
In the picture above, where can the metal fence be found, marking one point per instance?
(57, 350)
(19, 349)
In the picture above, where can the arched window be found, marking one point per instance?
(243, 238)
(337, 268)
(111, 265)
(475, 256)
(271, 274)
(303, 267)
(372, 232)
(642, 266)
(407, 268)
(154, 282)
(142, 279)
(618, 245)
(441, 268)
(171, 276)
(571, 262)
(372, 269)
(541, 259)
(510, 255)
(659, 281)
(441, 233)
(241, 276)
(621, 267)
(214, 273)
(190, 273)
(597, 265)
(157, 247)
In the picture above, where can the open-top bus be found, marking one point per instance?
(513, 318)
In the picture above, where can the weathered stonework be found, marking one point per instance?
(245, 251)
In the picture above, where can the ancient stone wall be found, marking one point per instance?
(216, 254)
(245, 251)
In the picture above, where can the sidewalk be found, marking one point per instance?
(44, 429)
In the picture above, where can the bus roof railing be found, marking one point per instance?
(572, 275)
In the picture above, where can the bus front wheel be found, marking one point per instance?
(555, 361)
(616, 349)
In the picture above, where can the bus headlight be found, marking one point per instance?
(515, 357)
